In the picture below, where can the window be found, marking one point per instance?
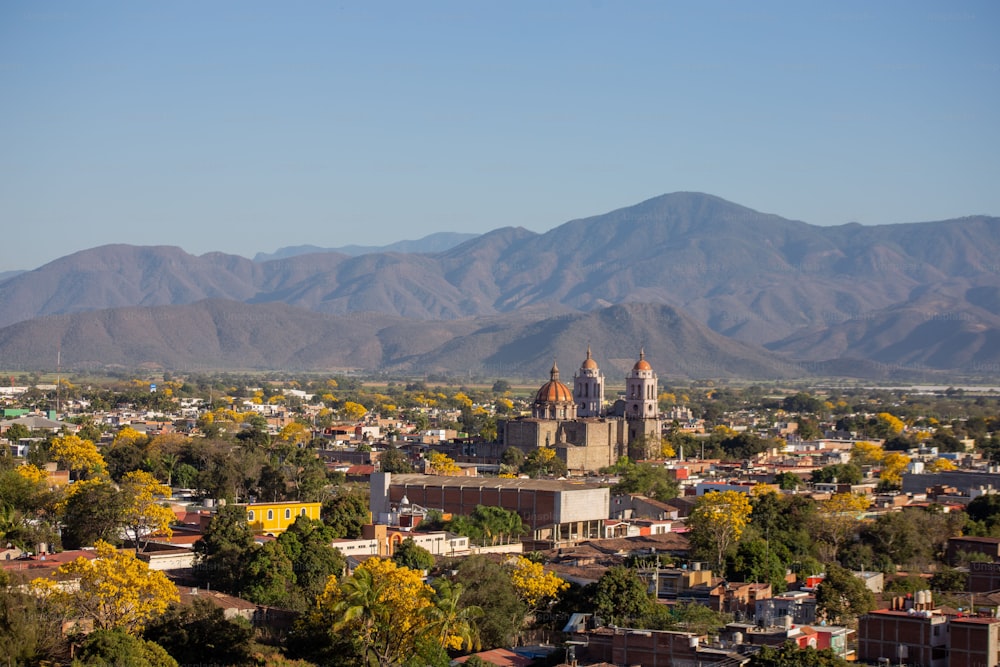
(288, 514)
(250, 515)
(270, 515)
(303, 512)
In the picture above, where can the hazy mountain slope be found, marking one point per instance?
(230, 335)
(438, 242)
(676, 345)
(754, 277)
(121, 275)
(949, 327)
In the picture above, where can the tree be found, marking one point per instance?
(453, 623)
(395, 461)
(791, 655)
(345, 513)
(15, 432)
(647, 480)
(941, 465)
(488, 586)
(535, 586)
(142, 514)
(115, 590)
(314, 561)
(543, 462)
(410, 554)
(788, 481)
(513, 457)
(224, 548)
(893, 466)
(92, 510)
(30, 633)
(78, 456)
(268, 577)
(842, 597)
(718, 520)
(200, 633)
(866, 454)
(117, 647)
(385, 609)
(440, 463)
(844, 473)
(621, 597)
(353, 411)
(837, 521)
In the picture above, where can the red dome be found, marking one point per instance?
(642, 364)
(554, 391)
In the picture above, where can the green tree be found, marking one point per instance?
(410, 554)
(93, 510)
(543, 462)
(346, 512)
(201, 634)
(224, 549)
(844, 473)
(646, 480)
(791, 655)
(30, 631)
(314, 561)
(15, 432)
(116, 647)
(788, 481)
(842, 597)
(488, 586)
(268, 577)
(395, 461)
(621, 597)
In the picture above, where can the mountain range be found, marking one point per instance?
(708, 287)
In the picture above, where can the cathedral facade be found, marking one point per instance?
(586, 434)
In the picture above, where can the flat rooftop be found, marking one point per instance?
(491, 483)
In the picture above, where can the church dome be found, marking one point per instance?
(554, 391)
(642, 364)
(589, 364)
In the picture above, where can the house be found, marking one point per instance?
(275, 518)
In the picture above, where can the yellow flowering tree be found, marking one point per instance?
(33, 474)
(866, 453)
(439, 463)
(354, 411)
(144, 514)
(892, 424)
(389, 612)
(941, 465)
(533, 583)
(77, 455)
(115, 590)
(718, 520)
(893, 466)
(837, 520)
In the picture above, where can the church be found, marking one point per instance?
(585, 434)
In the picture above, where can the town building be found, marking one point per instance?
(556, 513)
(275, 518)
(917, 636)
(586, 434)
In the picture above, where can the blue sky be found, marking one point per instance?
(247, 126)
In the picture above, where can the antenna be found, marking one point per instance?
(58, 375)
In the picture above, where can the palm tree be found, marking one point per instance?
(170, 462)
(453, 624)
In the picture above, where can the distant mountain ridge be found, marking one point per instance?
(808, 293)
(437, 242)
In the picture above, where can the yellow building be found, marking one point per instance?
(275, 518)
